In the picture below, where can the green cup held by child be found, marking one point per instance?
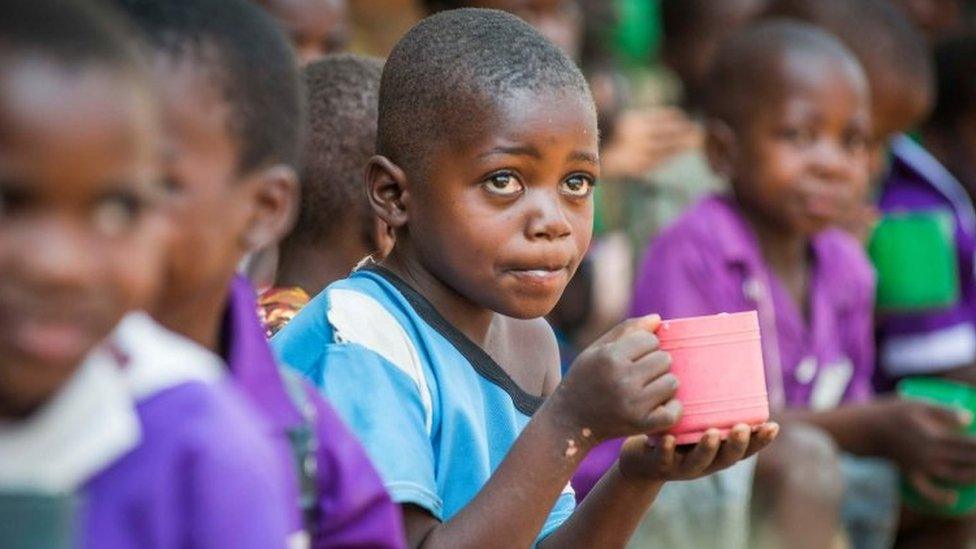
(955, 395)
(913, 253)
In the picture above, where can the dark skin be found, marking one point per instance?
(316, 27)
(490, 235)
(79, 241)
(312, 268)
(795, 179)
(219, 213)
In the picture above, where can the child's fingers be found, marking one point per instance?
(733, 449)
(652, 366)
(762, 438)
(648, 323)
(635, 344)
(930, 491)
(664, 454)
(662, 417)
(954, 472)
(702, 455)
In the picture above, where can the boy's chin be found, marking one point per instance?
(527, 309)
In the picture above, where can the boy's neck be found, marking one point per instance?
(200, 319)
(471, 319)
(314, 268)
(786, 252)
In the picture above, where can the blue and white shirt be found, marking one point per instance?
(436, 414)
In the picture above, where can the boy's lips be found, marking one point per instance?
(543, 275)
(51, 341)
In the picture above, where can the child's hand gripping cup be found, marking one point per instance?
(954, 395)
(719, 365)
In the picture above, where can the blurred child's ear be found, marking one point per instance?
(387, 191)
(721, 147)
(275, 206)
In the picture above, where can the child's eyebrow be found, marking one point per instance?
(584, 156)
(517, 150)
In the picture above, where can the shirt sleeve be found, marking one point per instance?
(382, 405)
(927, 343)
(355, 507)
(234, 499)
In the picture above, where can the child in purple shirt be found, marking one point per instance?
(103, 448)
(233, 112)
(791, 132)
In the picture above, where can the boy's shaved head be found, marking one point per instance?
(442, 75)
(891, 50)
(242, 48)
(749, 66)
(343, 91)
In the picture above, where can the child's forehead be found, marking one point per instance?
(525, 111)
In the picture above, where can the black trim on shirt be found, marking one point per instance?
(479, 359)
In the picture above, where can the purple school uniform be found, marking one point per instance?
(930, 341)
(154, 446)
(710, 262)
(354, 509)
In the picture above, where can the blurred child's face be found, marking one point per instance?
(505, 217)
(205, 200)
(316, 27)
(78, 243)
(558, 20)
(801, 158)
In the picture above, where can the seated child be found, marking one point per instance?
(898, 67)
(232, 111)
(336, 228)
(937, 342)
(112, 450)
(487, 155)
(787, 116)
(316, 27)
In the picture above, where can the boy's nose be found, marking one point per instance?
(57, 258)
(547, 219)
(831, 161)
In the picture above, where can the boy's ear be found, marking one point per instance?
(384, 238)
(387, 190)
(275, 195)
(721, 147)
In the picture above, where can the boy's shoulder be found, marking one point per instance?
(711, 230)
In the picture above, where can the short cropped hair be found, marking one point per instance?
(69, 32)
(955, 62)
(449, 66)
(743, 63)
(880, 35)
(343, 93)
(250, 60)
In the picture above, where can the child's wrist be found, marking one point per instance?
(578, 439)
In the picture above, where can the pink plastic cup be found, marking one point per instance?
(719, 365)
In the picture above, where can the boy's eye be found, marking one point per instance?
(798, 136)
(578, 186)
(503, 184)
(116, 213)
(855, 141)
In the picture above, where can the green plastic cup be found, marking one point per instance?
(955, 395)
(915, 258)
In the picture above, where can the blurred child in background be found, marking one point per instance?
(336, 228)
(233, 113)
(116, 449)
(316, 27)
